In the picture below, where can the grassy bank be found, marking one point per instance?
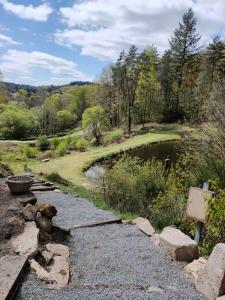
(71, 166)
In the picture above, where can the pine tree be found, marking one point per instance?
(184, 45)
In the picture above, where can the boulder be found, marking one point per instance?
(144, 225)
(211, 279)
(29, 212)
(192, 270)
(178, 245)
(155, 239)
(47, 210)
(44, 223)
(27, 243)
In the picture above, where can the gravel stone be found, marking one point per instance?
(108, 262)
(73, 211)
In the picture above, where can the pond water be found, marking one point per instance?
(168, 152)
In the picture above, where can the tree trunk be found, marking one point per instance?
(129, 118)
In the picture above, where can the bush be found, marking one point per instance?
(113, 136)
(216, 215)
(81, 144)
(29, 152)
(131, 186)
(62, 148)
(16, 123)
(55, 142)
(42, 143)
(46, 154)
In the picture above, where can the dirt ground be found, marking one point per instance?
(11, 221)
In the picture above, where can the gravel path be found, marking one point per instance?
(74, 211)
(112, 261)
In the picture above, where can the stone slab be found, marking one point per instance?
(26, 243)
(11, 271)
(42, 188)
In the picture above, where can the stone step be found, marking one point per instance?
(12, 269)
(42, 188)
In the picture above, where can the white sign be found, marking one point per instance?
(198, 204)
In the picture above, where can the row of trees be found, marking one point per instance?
(139, 87)
(142, 87)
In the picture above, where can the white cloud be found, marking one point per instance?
(29, 67)
(103, 28)
(37, 13)
(6, 40)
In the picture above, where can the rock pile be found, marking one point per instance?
(56, 270)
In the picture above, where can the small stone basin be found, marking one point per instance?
(19, 184)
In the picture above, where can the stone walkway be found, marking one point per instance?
(111, 261)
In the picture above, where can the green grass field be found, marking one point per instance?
(71, 166)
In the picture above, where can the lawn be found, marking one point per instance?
(71, 166)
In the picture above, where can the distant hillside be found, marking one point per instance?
(14, 87)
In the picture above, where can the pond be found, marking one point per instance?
(168, 152)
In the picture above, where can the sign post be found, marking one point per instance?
(197, 207)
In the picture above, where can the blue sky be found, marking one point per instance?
(59, 41)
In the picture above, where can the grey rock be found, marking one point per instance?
(45, 224)
(29, 212)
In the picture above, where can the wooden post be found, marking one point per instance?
(200, 225)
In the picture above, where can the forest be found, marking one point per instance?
(179, 86)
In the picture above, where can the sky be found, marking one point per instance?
(59, 41)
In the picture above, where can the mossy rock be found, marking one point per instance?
(47, 210)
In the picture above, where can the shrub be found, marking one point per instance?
(46, 154)
(29, 152)
(113, 136)
(61, 148)
(216, 215)
(55, 142)
(16, 123)
(42, 143)
(131, 186)
(81, 144)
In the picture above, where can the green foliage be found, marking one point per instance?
(131, 186)
(113, 136)
(28, 151)
(81, 144)
(16, 122)
(42, 143)
(93, 120)
(216, 215)
(62, 148)
(65, 119)
(55, 142)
